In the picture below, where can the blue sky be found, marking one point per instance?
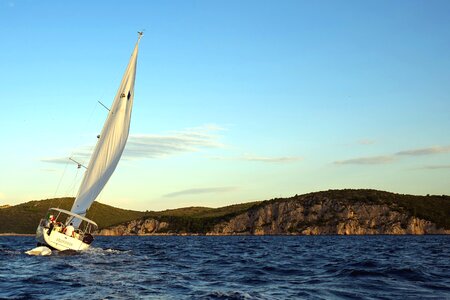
(235, 101)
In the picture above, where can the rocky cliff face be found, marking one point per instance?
(325, 216)
(136, 227)
(311, 214)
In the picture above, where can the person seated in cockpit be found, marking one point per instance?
(69, 230)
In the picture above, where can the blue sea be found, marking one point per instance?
(232, 267)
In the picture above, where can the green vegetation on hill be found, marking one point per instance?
(433, 208)
(198, 219)
(202, 212)
(192, 211)
(23, 218)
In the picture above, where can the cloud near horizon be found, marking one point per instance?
(425, 151)
(374, 160)
(434, 167)
(280, 159)
(197, 191)
(56, 160)
(154, 146)
(366, 142)
(264, 159)
(157, 146)
(141, 146)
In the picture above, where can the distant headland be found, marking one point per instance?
(332, 212)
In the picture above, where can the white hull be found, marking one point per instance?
(58, 240)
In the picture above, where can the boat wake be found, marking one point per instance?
(45, 251)
(69, 252)
(39, 251)
(101, 251)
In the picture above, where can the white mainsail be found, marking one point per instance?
(110, 144)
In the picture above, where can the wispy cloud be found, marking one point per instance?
(425, 151)
(366, 142)
(142, 146)
(157, 146)
(215, 190)
(56, 160)
(373, 160)
(384, 159)
(264, 159)
(434, 167)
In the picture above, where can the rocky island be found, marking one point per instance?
(342, 212)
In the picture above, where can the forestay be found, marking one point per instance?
(110, 144)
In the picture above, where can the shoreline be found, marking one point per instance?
(213, 235)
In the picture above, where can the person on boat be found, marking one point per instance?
(49, 220)
(50, 223)
(69, 230)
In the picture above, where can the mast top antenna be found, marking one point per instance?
(140, 34)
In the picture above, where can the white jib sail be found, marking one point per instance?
(111, 143)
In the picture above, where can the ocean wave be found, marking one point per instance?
(101, 251)
(231, 295)
(231, 268)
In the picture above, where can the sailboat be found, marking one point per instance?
(71, 230)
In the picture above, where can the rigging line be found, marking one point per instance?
(78, 164)
(104, 105)
(67, 163)
(59, 184)
(87, 125)
(75, 181)
(60, 201)
(60, 179)
(70, 188)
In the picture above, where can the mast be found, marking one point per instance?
(111, 143)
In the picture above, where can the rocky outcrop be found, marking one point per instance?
(135, 227)
(342, 212)
(325, 216)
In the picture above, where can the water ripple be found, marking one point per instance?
(239, 267)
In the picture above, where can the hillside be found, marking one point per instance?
(328, 212)
(24, 218)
